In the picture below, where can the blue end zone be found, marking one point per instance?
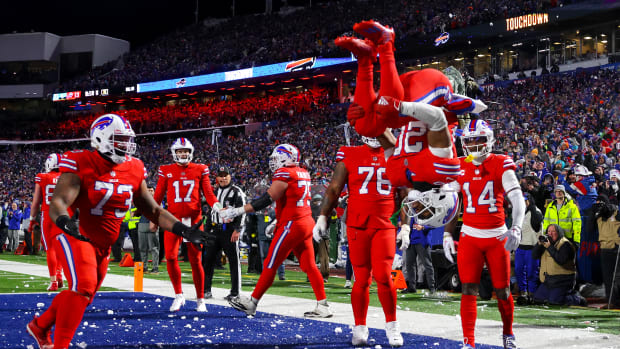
(142, 320)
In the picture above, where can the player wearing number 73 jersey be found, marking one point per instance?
(487, 179)
(101, 184)
(181, 183)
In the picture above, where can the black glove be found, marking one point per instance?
(69, 226)
(192, 234)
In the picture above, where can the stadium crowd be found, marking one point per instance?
(266, 39)
(550, 124)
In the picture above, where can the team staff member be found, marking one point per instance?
(226, 234)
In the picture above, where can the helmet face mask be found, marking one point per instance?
(283, 155)
(371, 142)
(477, 139)
(433, 208)
(178, 154)
(52, 162)
(113, 137)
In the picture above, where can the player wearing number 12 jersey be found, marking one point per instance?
(370, 233)
(487, 179)
(181, 183)
(290, 189)
(101, 184)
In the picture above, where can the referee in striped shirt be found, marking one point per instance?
(226, 234)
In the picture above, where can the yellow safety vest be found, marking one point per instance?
(568, 218)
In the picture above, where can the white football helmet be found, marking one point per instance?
(371, 142)
(113, 137)
(52, 161)
(581, 170)
(283, 155)
(475, 132)
(433, 208)
(182, 143)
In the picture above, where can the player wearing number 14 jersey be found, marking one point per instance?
(181, 184)
(487, 179)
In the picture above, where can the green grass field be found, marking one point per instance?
(295, 285)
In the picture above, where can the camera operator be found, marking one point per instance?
(608, 222)
(557, 269)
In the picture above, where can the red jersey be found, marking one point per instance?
(106, 192)
(295, 203)
(182, 185)
(371, 198)
(47, 182)
(483, 192)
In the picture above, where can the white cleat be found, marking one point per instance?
(201, 306)
(347, 284)
(392, 331)
(321, 311)
(179, 301)
(244, 304)
(360, 335)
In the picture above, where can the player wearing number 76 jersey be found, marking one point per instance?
(181, 183)
(370, 233)
(290, 189)
(487, 179)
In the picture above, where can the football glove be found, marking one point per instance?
(270, 229)
(512, 237)
(319, 231)
(448, 246)
(354, 113)
(69, 226)
(228, 214)
(192, 234)
(403, 236)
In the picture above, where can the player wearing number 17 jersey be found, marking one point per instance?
(370, 233)
(101, 184)
(290, 189)
(487, 179)
(181, 183)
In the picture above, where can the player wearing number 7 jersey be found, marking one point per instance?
(290, 189)
(370, 233)
(487, 179)
(101, 184)
(181, 184)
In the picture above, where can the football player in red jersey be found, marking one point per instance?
(101, 184)
(181, 184)
(290, 189)
(43, 191)
(425, 120)
(487, 179)
(370, 233)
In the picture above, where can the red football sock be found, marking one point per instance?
(387, 297)
(359, 294)
(48, 318)
(174, 272)
(67, 321)
(198, 273)
(468, 318)
(506, 309)
(390, 80)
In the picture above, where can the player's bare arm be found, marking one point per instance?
(339, 179)
(275, 192)
(145, 202)
(67, 190)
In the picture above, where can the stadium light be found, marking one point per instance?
(587, 37)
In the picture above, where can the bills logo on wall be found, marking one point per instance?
(442, 38)
(302, 64)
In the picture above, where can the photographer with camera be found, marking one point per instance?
(608, 222)
(557, 269)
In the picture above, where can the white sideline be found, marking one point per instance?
(444, 326)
